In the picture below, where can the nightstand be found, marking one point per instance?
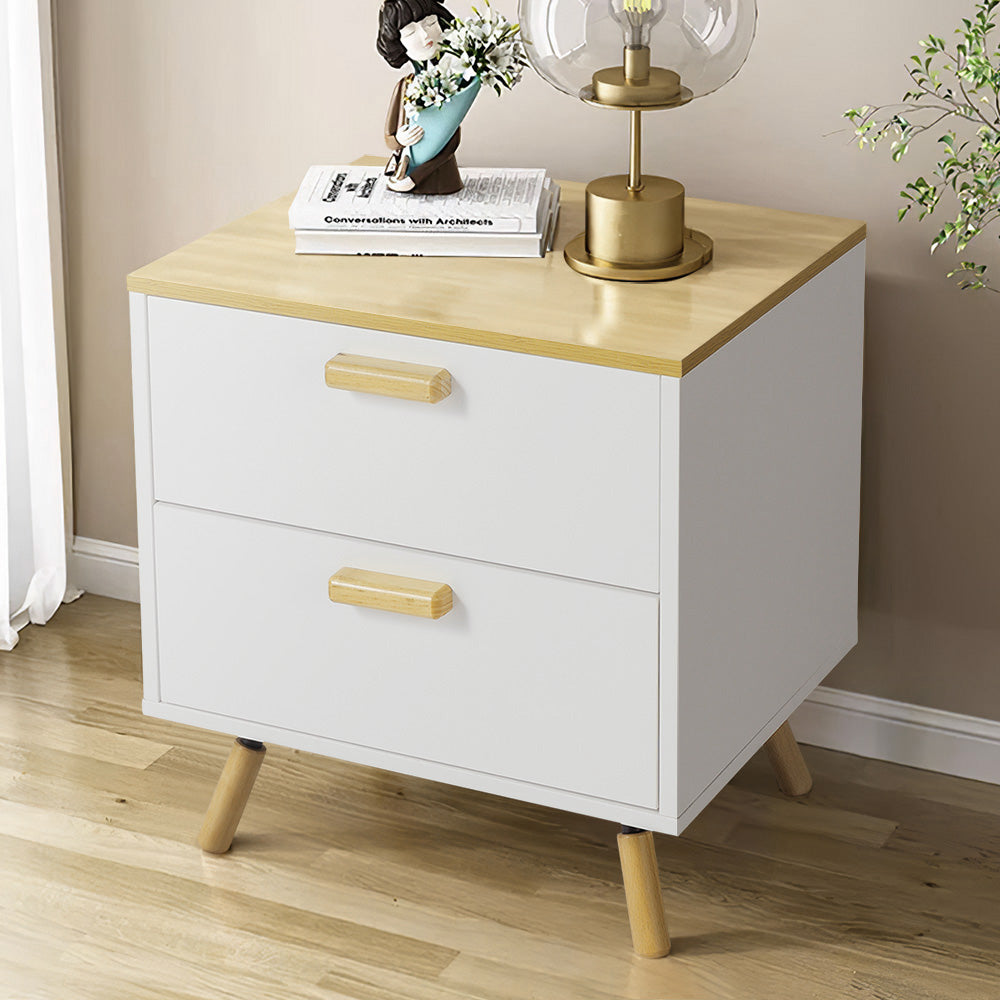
(488, 522)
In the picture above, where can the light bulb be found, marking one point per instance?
(636, 18)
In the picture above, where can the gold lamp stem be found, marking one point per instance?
(635, 151)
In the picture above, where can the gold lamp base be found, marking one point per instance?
(635, 223)
(696, 254)
(637, 234)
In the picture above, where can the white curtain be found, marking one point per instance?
(33, 537)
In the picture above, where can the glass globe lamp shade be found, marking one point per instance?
(705, 42)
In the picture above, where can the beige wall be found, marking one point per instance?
(178, 115)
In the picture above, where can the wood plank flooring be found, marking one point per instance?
(347, 883)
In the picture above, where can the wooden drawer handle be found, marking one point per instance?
(422, 383)
(421, 598)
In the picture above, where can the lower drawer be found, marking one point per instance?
(532, 677)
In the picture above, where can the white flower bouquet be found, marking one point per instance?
(484, 47)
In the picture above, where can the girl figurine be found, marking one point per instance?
(412, 29)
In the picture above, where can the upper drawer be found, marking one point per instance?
(532, 462)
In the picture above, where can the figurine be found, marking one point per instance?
(412, 29)
(452, 59)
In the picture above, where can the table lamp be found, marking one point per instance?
(635, 56)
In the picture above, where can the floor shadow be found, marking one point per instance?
(723, 942)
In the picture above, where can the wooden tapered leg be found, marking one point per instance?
(789, 766)
(648, 922)
(230, 796)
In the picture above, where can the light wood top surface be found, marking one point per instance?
(532, 306)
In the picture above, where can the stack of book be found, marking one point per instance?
(501, 212)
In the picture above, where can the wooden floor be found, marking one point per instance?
(346, 882)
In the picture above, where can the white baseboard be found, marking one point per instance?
(105, 568)
(928, 738)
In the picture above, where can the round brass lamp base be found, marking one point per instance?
(696, 254)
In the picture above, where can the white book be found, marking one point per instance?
(348, 198)
(432, 243)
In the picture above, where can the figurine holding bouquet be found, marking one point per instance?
(451, 60)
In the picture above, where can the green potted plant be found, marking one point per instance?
(955, 89)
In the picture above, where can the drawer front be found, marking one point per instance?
(526, 676)
(526, 461)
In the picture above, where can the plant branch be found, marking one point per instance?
(970, 165)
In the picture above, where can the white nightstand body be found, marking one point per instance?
(650, 572)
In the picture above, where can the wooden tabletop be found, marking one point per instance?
(532, 306)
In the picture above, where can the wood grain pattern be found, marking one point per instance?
(789, 765)
(401, 595)
(400, 379)
(348, 883)
(230, 798)
(21, 722)
(641, 877)
(536, 306)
